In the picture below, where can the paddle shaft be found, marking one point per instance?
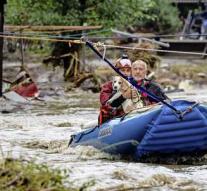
(130, 79)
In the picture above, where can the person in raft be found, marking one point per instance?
(139, 73)
(114, 109)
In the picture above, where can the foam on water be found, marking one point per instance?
(42, 133)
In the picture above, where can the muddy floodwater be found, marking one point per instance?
(40, 131)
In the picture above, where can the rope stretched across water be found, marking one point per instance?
(155, 50)
(99, 44)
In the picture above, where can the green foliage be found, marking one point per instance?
(32, 12)
(15, 175)
(108, 13)
(165, 17)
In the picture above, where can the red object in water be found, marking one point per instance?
(26, 90)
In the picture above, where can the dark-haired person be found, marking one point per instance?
(109, 111)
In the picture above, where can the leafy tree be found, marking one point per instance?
(108, 13)
(120, 14)
(165, 17)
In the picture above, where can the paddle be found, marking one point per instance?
(131, 79)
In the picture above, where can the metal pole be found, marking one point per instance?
(187, 24)
(83, 50)
(141, 38)
(1, 43)
(22, 50)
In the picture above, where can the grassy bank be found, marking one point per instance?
(175, 74)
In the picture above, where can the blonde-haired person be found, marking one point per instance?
(109, 111)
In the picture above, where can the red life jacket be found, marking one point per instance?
(106, 111)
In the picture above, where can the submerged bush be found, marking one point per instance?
(21, 176)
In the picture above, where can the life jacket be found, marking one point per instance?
(106, 92)
(153, 88)
(106, 111)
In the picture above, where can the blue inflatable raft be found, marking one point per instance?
(155, 131)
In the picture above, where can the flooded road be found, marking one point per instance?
(40, 131)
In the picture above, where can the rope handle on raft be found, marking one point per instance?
(187, 110)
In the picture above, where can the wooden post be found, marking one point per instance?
(187, 24)
(1, 43)
(22, 50)
(83, 50)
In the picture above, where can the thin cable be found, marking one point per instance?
(71, 35)
(107, 30)
(78, 41)
(100, 37)
(93, 32)
(46, 39)
(39, 35)
(156, 50)
(166, 35)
